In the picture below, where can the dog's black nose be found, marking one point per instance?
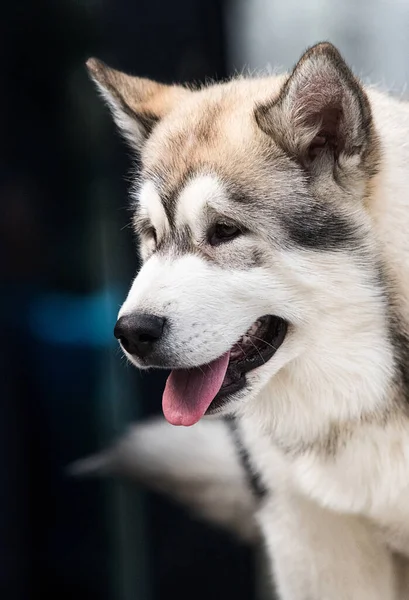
(138, 332)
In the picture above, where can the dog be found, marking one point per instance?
(273, 219)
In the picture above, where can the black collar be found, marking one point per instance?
(253, 477)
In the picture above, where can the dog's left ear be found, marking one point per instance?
(137, 104)
(322, 111)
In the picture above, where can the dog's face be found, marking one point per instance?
(250, 215)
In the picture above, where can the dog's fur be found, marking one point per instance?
(314, 167)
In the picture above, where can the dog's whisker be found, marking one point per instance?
(261, 340)
(261, 356)
(126, 225)
(237, 344)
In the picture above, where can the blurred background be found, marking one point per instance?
(67, 260)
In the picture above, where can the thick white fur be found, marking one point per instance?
(198, 193)
(150, 205)
(336, 520)
(319, 554)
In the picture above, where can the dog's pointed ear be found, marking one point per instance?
(321, 112)
(136, 103)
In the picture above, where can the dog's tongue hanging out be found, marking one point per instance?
(189, 392)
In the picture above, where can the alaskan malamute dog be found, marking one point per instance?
(273, 218)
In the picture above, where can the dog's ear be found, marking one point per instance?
(136, 103)
(322, 111)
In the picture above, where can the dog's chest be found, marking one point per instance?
(367, 476)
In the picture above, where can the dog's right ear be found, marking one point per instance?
(136, 103)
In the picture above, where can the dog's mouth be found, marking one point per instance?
(191, 393)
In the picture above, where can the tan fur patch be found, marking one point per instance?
(213, 129)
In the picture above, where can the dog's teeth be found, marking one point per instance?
(246, 340)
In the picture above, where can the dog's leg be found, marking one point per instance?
(198, 466)
(319, 555)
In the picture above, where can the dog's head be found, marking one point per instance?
(255, 241)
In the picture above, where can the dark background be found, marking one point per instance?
(67, 259)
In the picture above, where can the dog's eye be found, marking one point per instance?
(222, 232)
(151, 232)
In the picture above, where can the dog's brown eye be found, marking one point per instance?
(223, 232)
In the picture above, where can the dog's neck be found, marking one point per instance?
(339, 379)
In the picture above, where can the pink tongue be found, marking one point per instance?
(189, 392)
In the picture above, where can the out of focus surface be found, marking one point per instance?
(68, 257)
